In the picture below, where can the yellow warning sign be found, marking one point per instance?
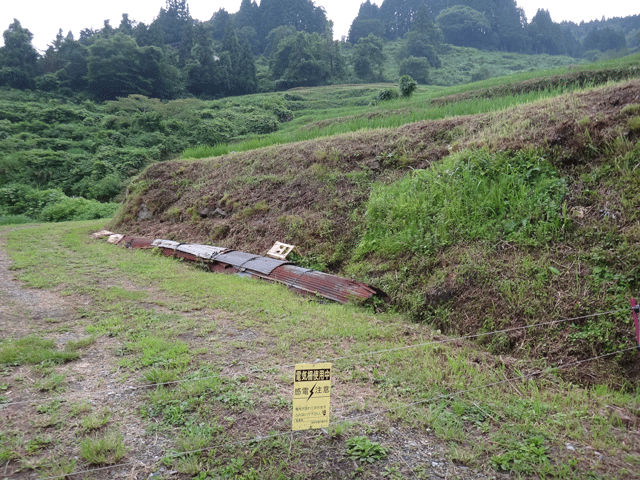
(311, 395)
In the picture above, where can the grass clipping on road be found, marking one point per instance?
(230, 343)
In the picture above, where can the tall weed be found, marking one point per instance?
(474, 195)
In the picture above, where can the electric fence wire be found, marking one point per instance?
(347, 420)
(132, 388)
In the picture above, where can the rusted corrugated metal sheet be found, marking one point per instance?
(328, 286)
(135, 242)
(303, 280)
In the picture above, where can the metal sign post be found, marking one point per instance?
(634, 311)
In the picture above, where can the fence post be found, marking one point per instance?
(634, 310)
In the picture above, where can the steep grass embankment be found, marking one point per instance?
(573, 256)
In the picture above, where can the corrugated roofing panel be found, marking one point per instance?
(236, 258)
(332, 287)
(165, 244)
(201, 251)
(136, 242)
(263, 265)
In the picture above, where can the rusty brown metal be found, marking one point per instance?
(135, 242)
(302, 280)
(329, 286)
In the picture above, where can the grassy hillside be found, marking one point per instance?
(515, 203)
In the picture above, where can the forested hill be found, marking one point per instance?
(281, 44)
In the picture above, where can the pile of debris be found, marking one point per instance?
(274, 267)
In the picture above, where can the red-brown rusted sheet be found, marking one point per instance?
(218, 259)
(136, 242)
(328, 286)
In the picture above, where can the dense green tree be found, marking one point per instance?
(424, 38)
(243, 70)
(87, 36)
(113, 68)
(397, 16)
(546, 36)
(126, 26)
(117, 67)
(275, 37)
(231, 45)
(303, 15)
(159, 68)
(465, 27)
(332, 55)
(18, 58)
(176, 25)
(247, 16)
(219, 23)
(363, 28)
(605, 39)
(246, 80)
(305, 59)
(368, 58)
(74, 57)
(367, 22)
(51, 62)
(508, 22)
(250, 35)
(571, 45)
(107, 30)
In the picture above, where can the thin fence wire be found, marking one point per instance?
(488, 385)
(346, 420)
(475, 335)
(132, 388)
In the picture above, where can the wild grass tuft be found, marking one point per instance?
(103, 449)
(33, 350)
(475, 195)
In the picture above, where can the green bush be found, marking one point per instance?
(77, 209)
(18, 199)
(407, 86)
(212, 132)
(387, 94)
(261, 124)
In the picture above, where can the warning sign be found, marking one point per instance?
(311, 395)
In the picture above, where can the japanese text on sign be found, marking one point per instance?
(311, 396)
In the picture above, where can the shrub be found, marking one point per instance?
(212, 132)
(18, 199)
(261, 124)
(407, 86)
(77, 209)
(387, 94)
(480, 74)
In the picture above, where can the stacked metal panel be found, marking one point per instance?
(300, 279)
